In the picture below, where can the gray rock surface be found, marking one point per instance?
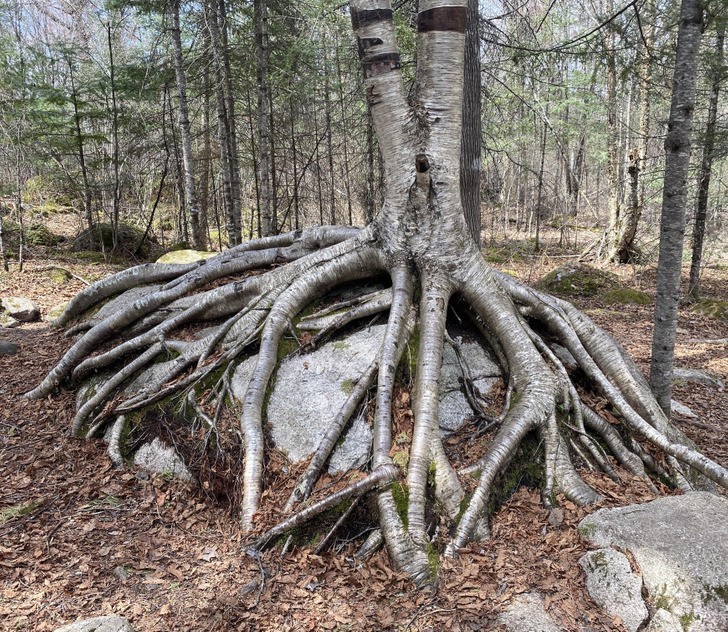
(311, 388)
(698, 376)
(680, 545)
(123, 300)
(310, 391)
(614, 587)
(526, 614)
(6, 320)
(664, 621)
(8, 348)
(455, 410)
(161, 458)
(20, 308)
(681, 409)
(98, 624)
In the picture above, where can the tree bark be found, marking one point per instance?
(672, 224)
(706, 166)
(470, 158)
(260, 16)
(193, 210)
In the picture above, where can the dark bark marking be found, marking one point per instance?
(442, 19)
(364, 18)
(379, 64)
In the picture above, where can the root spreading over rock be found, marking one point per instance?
(251, 296)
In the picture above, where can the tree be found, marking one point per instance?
(421, 241)
(706, 164)
(674, 198)
(190, 187)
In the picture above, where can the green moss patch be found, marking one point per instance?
(626, 296)
(713, 308)
(576, 279)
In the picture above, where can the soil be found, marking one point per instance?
(79, 538)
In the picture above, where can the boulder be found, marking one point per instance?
(680, 546)
(696, 375)
(162, 459)
(311, 388)
(526, 614)
(664, 621)
(98, 624)
(185, 256)
(614, 587)
(309, 392)
(55, 311)
(20, 308)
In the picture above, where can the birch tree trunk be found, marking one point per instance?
(198, 238)
(674, 198)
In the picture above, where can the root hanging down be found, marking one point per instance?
(158, 361)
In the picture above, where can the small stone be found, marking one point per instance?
(614, 587)
(556, 516)
(698, 376)
(98, 624)
(681, 409)
(6, 320)
(162, 459)
(20, 308)
(8, 348)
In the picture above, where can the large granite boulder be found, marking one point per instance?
(680, 546)
(310, 390)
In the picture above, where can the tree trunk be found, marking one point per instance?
(470, 159)
(198, 237)
(260, 11)
(706, 166)
(622, 247)
(674, 197)
(87, 195)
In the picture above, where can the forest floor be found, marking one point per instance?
(79, 538)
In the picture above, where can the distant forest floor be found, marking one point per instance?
(80, 539)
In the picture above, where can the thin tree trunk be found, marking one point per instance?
(260, 11)
(622, 249)
(672, 226)
(87, 206)
(185, 130)
(706, 166)
(470, 157)
(115, 136)
(232, 135)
